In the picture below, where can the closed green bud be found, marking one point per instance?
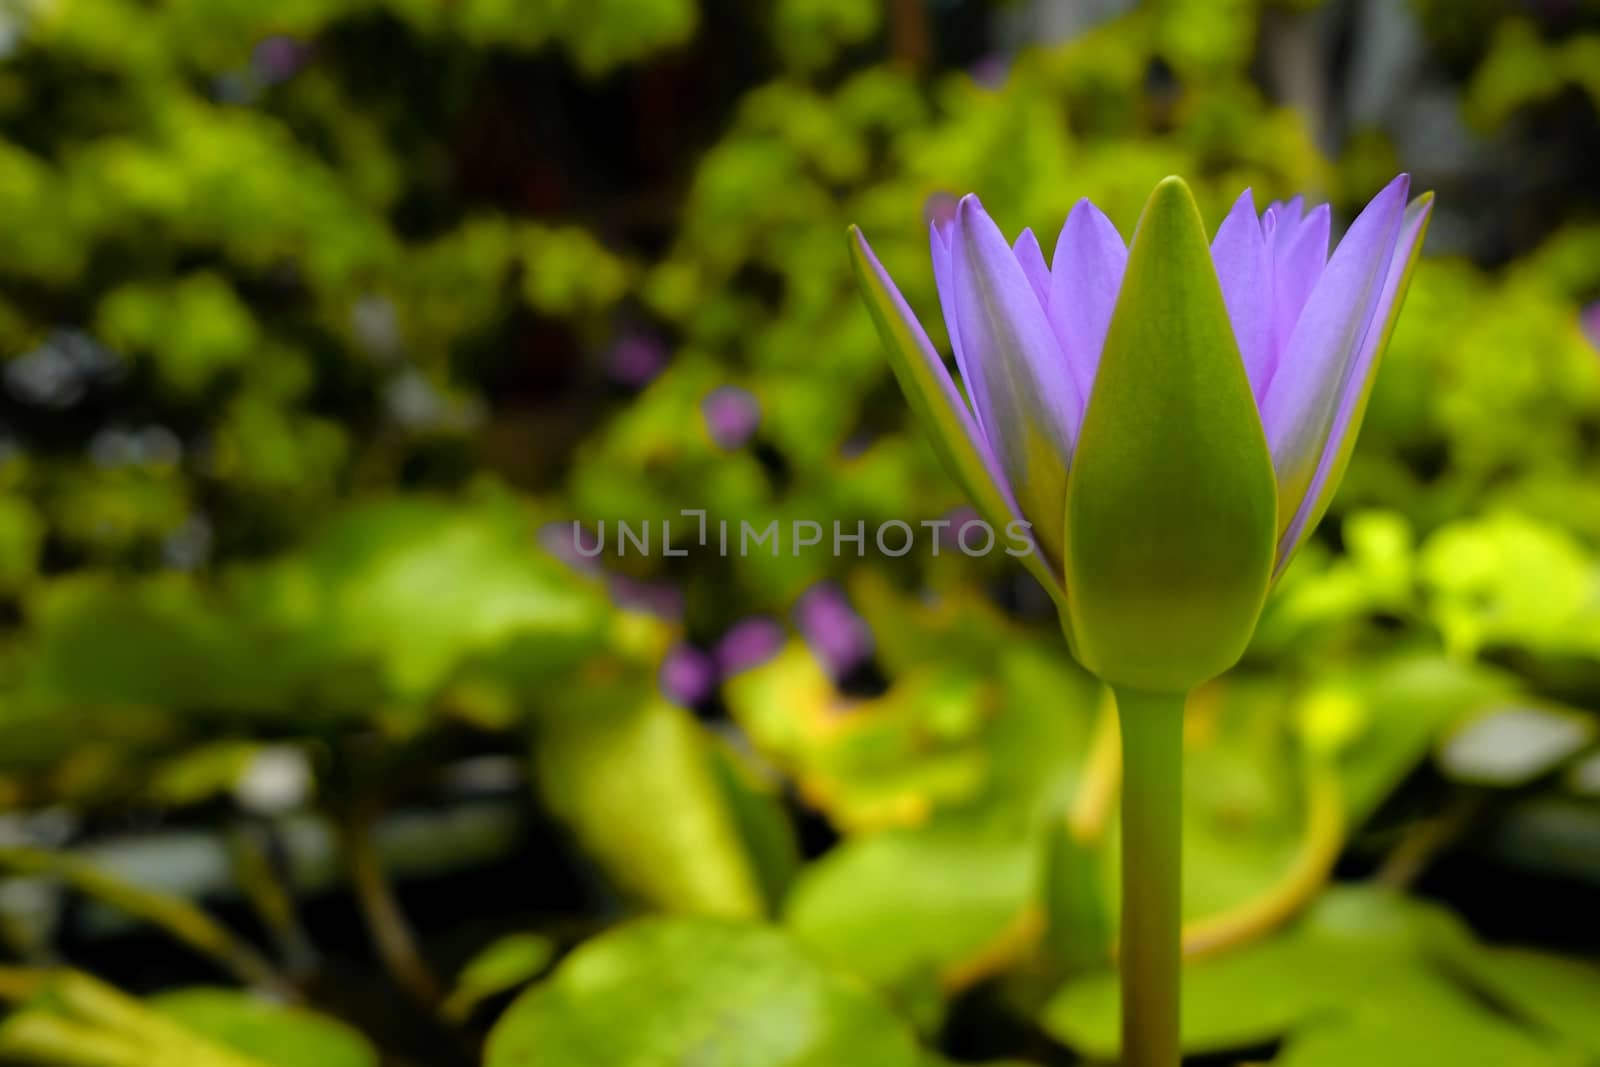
(1171, 505)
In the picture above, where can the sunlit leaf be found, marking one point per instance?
(502, 966)
(273, 1034)
(712, 993)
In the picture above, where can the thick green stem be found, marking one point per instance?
(1152, 850)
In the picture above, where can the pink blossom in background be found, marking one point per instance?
(636, 358)
(732, 415)
(940, 209)
(836, 634)
(661, 599)
(688, 675)
(278, 58)
(1589, 320)
(748, 643)
(561, 541)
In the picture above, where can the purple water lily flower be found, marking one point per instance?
(1171, 418)
(1027, 336)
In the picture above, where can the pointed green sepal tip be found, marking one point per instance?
(1171, 500)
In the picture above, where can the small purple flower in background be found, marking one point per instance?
(991, 70)
(635, 358)
(960, 518)
(747, 644)
(856, 445)
(732, 415)
(562, 541)
(278, 58)
(940, 210)
(1589, 321)
(836, 634)
(688, 675)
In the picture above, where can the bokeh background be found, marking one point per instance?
(323, 320)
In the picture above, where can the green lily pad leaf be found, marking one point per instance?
(164, 643)
(1509, 579)
(868, 763)
(1244, 801)
(273, 1034)
(1407, 703)
(701, 991)
(1171, 511)
(905, 908)
(1232, 1002)
(420, 586)
(1402, 1026)
(513, 960)
(634, 779)
(981, 714)
(765, 830)
(1511, 746)
(1078, 912)
(1361, 963)
(1559, 995)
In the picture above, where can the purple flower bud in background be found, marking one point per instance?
(278, 58)
(732, 415)
(687, 675)
(747, 644)
(635, 359)
(991, 70)
(959, 518)
(837, 635)
(560, 539)
(661, 599)
(940, 210)
(1589, 321)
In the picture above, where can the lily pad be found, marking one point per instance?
(1556, 994)
(1367, 977)
(703, 991)
(500, 967)
(274, 1034)
(635, 779)
(900, 907)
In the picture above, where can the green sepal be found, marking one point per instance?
(1171, 512)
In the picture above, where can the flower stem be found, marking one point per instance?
(1152, 849)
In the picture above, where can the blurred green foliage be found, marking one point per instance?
(311, 316)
